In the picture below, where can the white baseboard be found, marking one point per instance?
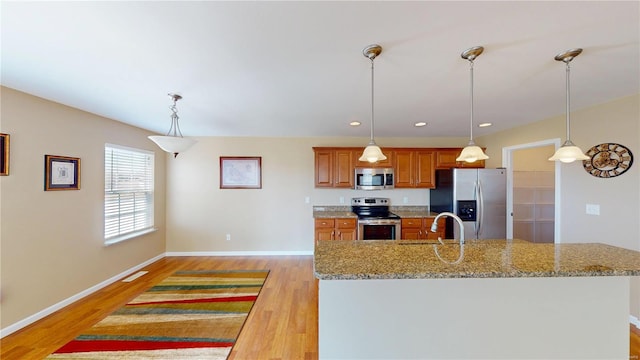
(53, 308)
(634, 321)
(240, 253)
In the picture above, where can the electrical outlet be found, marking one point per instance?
(593, 209)
(228, 237)
(341, 199)
(405, 200)
(306, 199)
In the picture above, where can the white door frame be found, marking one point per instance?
(507, 162)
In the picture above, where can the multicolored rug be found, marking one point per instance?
(189, 315)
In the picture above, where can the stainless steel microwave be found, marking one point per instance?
(374, 178)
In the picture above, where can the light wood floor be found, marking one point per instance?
(283, 323)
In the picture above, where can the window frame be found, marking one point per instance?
(146, 190)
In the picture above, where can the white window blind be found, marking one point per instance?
(128, 192)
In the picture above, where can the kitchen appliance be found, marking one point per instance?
(477, 196)
(374, 178)
(375, 221)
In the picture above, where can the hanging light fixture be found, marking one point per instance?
(472, 152)
(372, 152)
(568, 152)
(173, 142)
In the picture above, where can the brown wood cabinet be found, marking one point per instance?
(334, 167)
(336, 229)
(420, 228)
(413, 167)
(446, 159)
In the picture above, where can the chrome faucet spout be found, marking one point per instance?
(434, 227)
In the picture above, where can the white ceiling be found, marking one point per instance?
(297, 69)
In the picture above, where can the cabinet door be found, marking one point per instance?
(346, 228)
(446, 159)
(343, 169)
(404, 168)
(325, 229)
(425, 172)
(479, 164)
(324, 168)
(427, 226)
(411, 228)
(325, 234)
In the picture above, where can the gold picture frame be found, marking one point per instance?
(240, 172)
(4, 154)
(61, 173)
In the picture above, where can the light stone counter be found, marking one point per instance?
(504, 299)
(409, 259)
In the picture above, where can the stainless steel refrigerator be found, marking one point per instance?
(477, 196)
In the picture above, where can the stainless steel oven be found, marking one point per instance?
(378, 229)
(375, 221)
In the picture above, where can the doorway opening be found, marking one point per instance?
(533, 188)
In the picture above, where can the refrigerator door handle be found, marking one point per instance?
(480, 210)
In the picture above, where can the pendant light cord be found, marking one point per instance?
(471, 121)
(372, 97)
(568, 102)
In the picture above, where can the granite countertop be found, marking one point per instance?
(410, 259)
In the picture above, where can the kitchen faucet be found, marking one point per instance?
(434, 227)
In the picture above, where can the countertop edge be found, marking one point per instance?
(491, 275)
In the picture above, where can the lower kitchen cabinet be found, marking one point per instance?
(336, 229)
(420, 228)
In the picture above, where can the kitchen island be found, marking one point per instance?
(489, 299)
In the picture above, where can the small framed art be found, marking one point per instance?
(240, 172)
(4, 154)
(61, 173)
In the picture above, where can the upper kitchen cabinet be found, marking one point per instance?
(414, 168)
(446, 159)
(334, 167)
(388, 163)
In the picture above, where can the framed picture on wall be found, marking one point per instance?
(61, 173)
(4, 154)
(240, 172)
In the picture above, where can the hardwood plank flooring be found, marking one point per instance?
(282, 325)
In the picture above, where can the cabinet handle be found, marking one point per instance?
(333, 235)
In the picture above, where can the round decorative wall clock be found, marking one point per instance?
(608, 160)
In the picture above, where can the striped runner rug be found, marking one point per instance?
(189, 315)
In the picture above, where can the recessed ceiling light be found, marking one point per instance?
(485, 124)
(420, 124)
(355, 123)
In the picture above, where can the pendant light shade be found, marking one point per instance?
(173, 142)
(372, 153)
(568, 152)
(472, 152)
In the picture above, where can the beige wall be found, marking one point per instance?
(619, 220)
(274, 218)
(52, 242)
(533, 159)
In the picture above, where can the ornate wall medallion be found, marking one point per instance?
(608, 160)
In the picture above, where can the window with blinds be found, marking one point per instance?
(128, 192)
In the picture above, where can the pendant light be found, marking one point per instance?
(173, 142)
(568, 152)
(472, 152)
(372, 152)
